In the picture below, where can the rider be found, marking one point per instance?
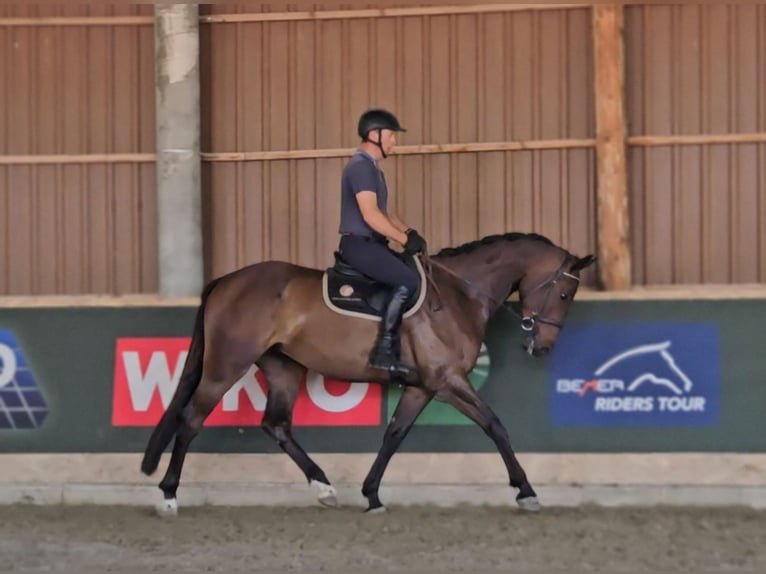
(366, 225)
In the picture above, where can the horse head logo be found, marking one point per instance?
(665, 372)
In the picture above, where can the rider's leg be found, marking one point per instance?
(379, 262)
(385, 353)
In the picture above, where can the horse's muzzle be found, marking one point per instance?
(531, 346)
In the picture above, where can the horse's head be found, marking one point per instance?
(545, 295)
(545, 275)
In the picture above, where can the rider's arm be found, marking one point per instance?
(368, 205)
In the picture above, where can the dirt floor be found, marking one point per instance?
(78, 538)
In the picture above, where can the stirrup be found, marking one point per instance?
(395, 369)
(389, 363)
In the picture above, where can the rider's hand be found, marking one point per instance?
(415, 243)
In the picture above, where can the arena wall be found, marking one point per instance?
(101, 375)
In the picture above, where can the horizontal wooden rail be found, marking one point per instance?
(403, 150)
(297, 154)
(79, 21)
(274, 155)
(425, 149)
(496, 146)
(383, 12)
(292, 16)
(77, 158)
(697, 139)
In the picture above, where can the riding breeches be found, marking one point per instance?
(376, 260)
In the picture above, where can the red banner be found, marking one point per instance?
(147, 371)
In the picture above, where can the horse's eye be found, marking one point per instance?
(564, 296)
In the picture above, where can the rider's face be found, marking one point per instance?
(387, 139)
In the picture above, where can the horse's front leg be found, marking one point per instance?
(460, 394)
(411, 404)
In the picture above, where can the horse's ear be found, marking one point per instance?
(583, 262)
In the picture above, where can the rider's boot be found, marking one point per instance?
(385, 354)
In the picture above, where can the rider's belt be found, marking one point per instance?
(378, 238)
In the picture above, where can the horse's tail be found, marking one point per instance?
(192, 373)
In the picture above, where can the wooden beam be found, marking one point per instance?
(306, 15)
(612, 194)
(424, 149)
(77, 21)
(697, 139)
(452, 10)
(69, 159)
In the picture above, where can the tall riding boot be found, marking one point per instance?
(385, 355)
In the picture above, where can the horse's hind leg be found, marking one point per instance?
(460, 394)
(284, 378)
(216, 380)
(411, 404)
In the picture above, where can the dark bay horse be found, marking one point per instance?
(273, 314)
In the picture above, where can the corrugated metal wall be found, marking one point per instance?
(68, 226)
(450, 78)
(698, 211)
(85, 225)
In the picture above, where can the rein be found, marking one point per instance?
(528, 322)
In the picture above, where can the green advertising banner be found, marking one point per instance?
(626, 376)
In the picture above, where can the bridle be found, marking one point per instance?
(528, 322)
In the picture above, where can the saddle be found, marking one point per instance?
(350, 292)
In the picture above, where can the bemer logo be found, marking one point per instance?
(147, 372)
(636, 374)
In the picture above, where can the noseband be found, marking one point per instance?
(529, 322)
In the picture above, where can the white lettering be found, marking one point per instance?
(624, 404)
(7, 365)
(568, 385)
(685, 404)
(593, 385)
(252, 389)
(315, 386)
(157, 375)
(143, 384)
(610, 385)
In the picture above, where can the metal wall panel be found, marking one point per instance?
(301, 85)
(73, 227)
(698, 211)
(77, 229)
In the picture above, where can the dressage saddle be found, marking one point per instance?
(354, 292)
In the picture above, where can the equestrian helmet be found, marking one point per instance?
(378, 119)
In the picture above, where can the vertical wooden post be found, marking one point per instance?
(612, 189)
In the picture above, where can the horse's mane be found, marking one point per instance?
(488, 240)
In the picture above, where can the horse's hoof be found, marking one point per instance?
(329, 500)
(327, 495)
(530, 504)
(376, 510)
(168, 508)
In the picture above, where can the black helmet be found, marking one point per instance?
(377, 119)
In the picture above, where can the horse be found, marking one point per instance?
(276, 315)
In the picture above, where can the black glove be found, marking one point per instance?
(415, 243)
